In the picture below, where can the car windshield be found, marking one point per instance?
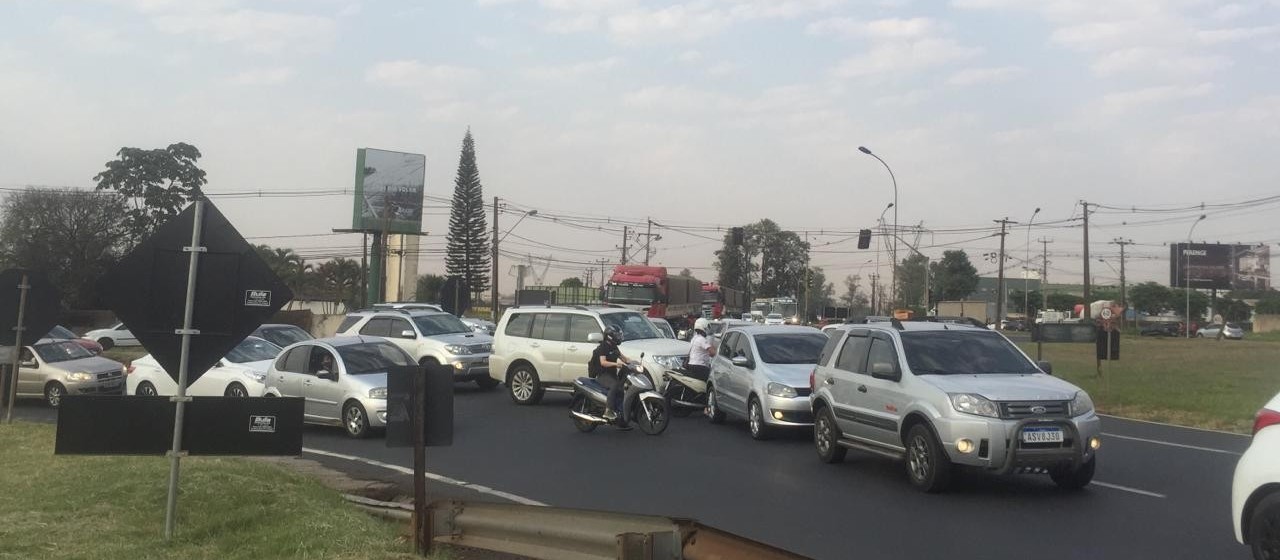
(284, 336)
(444, 323)
(775, 315)
(963, 353)
(61, 352)
(634, 326)
(60, 332)
(372, 357)
(253, 350)
(619, 293)
(791, 348)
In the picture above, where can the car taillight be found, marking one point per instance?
(811, 376)
(1266, 417)
(128, 368)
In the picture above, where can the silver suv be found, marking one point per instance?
(431, 337)
(940, 396)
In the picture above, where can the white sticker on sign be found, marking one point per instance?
(257, 298)
(262, 424)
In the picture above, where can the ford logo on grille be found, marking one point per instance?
(1038, 410)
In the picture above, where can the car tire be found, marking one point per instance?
(235, 390)
(486, 383)
(53, 394)
(714, 414)
(355, 421)
(524, 386)
(826, 437)
(1077, 478)
(928, 466)
(756, 423)
(1264, 527)
(106, 343)
(146, 389)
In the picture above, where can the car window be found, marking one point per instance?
(61, 333)
(882, 352)
(320, 359)
(731, 344)
(347, 322)
(295, 360)
(377, 326)
(61, 352)
(285, 336)
(399, 326)
(581, 327)
(252, 350)
(442, 323)
(372, 357)
(791, 348)
(518, 325)
(539, 323)
(555, 327)
(833, 340)
(853, 355)
(963, 353)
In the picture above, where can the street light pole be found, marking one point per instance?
(493, 295)
(894, 250)
(1186, 274)
(880, 223)
(1026, 281)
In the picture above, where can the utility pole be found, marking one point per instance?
(875, 308)
(1044, 294)
(1124, 298)
(626, 232)
(493, 286)
(1004, 224)
(1085, 205)
(649, 236)
(602, 278)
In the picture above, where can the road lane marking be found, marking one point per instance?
(432, 476)
(1171, 444)
(1175, 426)
(1128, 489)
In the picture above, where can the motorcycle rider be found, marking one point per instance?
(612, 364)
(700, 351)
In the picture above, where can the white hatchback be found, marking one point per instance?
(238, 374)
(1255, 491)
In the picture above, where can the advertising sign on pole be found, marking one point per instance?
(389, 187)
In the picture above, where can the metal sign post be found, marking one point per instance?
(23, 287)
(421, 538)
(175, 456)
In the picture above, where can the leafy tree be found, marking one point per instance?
(1233, 309)
(428, 288)
(732, 265)
(1269, 305)
(911, 279)
(1099, 293)
(574, 282)
(339, 283)
(818, 293)
(467, 254)
(1033, 300)
(783, 260)
(74, 236)
(1199, 303)
(1150, 298)
(858, 302)
(1064, 302)
(954, 276)
(291, 268)
(157, 184)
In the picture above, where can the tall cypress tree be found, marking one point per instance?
(468, 251)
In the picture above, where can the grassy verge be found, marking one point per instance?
(113, 508)
(1205, 383)
(124, 355)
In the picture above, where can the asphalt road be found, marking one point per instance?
(1160, 491)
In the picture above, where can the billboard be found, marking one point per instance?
(389, 188)
(1219, 266)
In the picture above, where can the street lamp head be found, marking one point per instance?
(1036, 212)
(1202, 216)
(889, 206)
(531, 213)
(864, 150)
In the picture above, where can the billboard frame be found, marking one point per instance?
(405, 191)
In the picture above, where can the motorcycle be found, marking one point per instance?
(641, 404)
(685, 392)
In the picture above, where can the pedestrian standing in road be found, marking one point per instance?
(700, 351)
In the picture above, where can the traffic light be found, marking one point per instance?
(864, 239)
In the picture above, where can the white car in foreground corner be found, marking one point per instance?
(238, 374)
(1255, 491)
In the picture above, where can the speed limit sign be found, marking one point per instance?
(1106, 313)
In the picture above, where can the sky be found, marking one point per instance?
(696, 114)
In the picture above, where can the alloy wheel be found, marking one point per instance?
(755, 417)
(54, 395)
(522, 385)
(918, 458)
(822, 435)
(147, 390)
(355, 419)
(236, 390)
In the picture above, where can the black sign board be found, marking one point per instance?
(1101, 342)
(1065, 332)
(1220, 266)
(114, 425)
(533, 297)
(235, 291)
(41, 313)
(438, 406)
(455, 298)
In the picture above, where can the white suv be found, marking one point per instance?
(937, 395)
(539, 349)
(431, 337)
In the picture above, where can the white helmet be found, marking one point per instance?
(700, 324)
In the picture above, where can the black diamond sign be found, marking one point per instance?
(41, 313)
(235, 291)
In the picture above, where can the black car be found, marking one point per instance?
(1160, 329)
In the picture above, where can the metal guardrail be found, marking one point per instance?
(571, 534)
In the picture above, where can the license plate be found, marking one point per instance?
(1042, 435)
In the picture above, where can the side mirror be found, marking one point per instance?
(742, 362)
(326, 374)
(408, 334)
(884, 370)
(595, 337)
(1045, 366)
(28, 363)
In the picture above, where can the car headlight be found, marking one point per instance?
(969, 403)
(1082, 404)
(457, 349)
(669, 362)
(780, 390)
(80, 376)
(378, 393)
(258, 376)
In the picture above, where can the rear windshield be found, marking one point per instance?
(444, 323)
(253, 350)
(60, 332)
(963, 353)
(373, 357)
(285, 336)
(797, 348)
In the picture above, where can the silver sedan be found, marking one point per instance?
(762, 374)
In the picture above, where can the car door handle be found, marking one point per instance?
(862, 388)
(829, 381)
(535, 345)
(573, 348)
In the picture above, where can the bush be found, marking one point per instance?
(1268, 306)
